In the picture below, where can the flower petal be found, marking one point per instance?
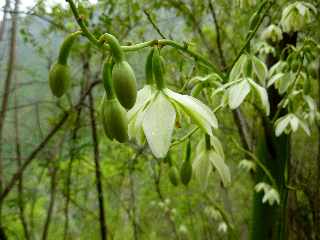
(158, 124)
(198, 111)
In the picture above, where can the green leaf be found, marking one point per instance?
(294, 122)
(199, 112)
(221, 167)
(260, 69)
(216, 144)
(202, 167)
(263, 96)
(305, 127)
(237, 93)
(158, 124)
(237, 68)
(284, 83)
(275, 78)
(281, 124)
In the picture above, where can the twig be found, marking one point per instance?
(214, 16)
(153, 23)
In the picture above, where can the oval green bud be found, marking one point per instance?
(186, 168)
(248, 67)
(168, 159)
(186, 172)
(124, 84)
(59, 79)
(114, 120)
(174, 176)
(149, 70)
(158, 68)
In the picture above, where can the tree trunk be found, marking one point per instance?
(4, 19)
(269, 222)
(5, 98)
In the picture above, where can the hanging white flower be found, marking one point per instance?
(296, 16)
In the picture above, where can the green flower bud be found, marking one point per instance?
(114, 120)
(59, 79)
(149, 70)
(186, 172)
(59, 75)
(124, 83)
(174, 176)
(186, 168)
(158, 68)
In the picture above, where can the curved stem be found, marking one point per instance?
(82, 25)
(135, 47)
(66, 47)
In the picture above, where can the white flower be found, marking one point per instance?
(247, 165)
(272, 33)
(222, 227)
(183, 229)
(271, 195)
(296, 16)
(290, 123)
(154, 116)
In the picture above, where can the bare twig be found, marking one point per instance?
(153, 23)
(214, 16)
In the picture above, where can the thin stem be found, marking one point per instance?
(81, 23)
(153, 23)
(161, 42)
(257, 161)
(251, 34)
(219, 45)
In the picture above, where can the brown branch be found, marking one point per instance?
(53, 171)
(19, 161)
(95, 140)
(243, 129)
(73, 151)
(7, 84)
(45, 141)
(219, 45)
